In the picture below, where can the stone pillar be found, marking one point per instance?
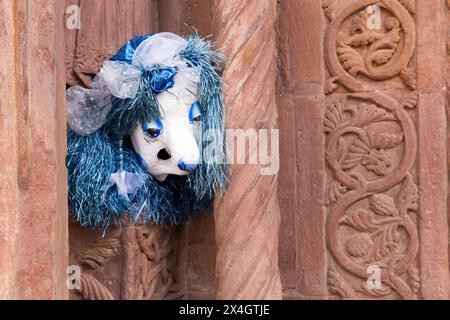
(33, 191)
(196, 250)
(247, 219)
(432, 127)
(301, 105)
(185, 16)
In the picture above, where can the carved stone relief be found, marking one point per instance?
(83, 64)
(372, 194)
(143, 256)
(448, 81)
(105, 25)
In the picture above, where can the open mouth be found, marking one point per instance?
(163, 154)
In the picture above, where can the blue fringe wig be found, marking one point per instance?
(92, 159)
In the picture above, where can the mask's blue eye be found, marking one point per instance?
(195, 114)
(153, 129)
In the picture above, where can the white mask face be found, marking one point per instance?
(170, 145)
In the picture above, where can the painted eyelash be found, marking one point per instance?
(158, 126)
(195, 108)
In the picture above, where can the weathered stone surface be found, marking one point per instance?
(432, 128)
(319, 258)
(196, 256)
(105, 26)
(33, 192)
(130, 263)
(301, 90)
(433, 188)
(300, 51)
(185, 16)
(195, 241)
(247, 218)
(310, 216)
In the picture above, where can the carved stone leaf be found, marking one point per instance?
(97, 255)
(384, 49)
(383, 56)
(395, 260)
(386, 242)
(337, 285)
(335, 192)
(331, 85)
(336, 153)
(383, 140)
(364, 114)
(410, 101)
(357, 151)
(383, 205)
(359, 245)
(92, 289)
(365, 151)
(363, 39)
(408, 197)
(377, 162)
(351, 60)
(329, 7)
(82, 65)
(409, 77)
(333, 115)
(414, 278)
(360, 220)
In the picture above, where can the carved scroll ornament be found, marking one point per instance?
(147, 254)
(370, 41)
(372, 196)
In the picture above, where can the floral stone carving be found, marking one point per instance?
(370, 41)
(371, 149)
(144, 256)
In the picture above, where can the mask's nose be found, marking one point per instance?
(188, 167)
(183, 146)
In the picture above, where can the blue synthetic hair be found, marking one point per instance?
(92, 159)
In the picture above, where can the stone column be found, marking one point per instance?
(248, 217)
(301, 105)
(432, 127)
(33, 195)
(185, 16)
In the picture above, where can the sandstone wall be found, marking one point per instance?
(360, 98)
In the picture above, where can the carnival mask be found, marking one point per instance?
(142, 123)
(170, 144)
